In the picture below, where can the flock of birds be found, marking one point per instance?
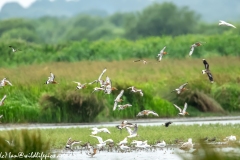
(107, 88)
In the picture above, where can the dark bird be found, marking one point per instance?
(167, 124)
(207, 71)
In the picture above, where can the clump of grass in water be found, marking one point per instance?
(24, 141)
(207, 152)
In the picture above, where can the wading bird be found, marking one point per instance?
(223, 23)
(207, 71)
(187, 145)
(167, 124)
(182, 111)
(92, 151)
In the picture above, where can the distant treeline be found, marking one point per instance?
(155, 20)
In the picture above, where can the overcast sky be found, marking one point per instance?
(24, 3)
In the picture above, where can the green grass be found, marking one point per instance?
(29, 100)
(58, 137)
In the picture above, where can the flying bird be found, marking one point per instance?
(100, 79)
(197, 44)
(2, 100)
(147, 112)
(122, 107)
(5, 82)
(207, 71)
(13, 49)
(135, 90)
(132, 133)
(167, 124)
(79, 85)
(118, 99)
(97, 130)
(144, 61)
(101, 142)
(160, 55)
(223, 23)
(182, 111)
(181, 88)
(51, 79)
(70, 143)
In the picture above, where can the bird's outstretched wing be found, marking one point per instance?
(182, 86)
(191, 50)
(100, 140)
(100, 77)
(206, 65)
(185, 107)
(210, 77)
(180, 110)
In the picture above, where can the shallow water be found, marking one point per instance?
(143, 122)
(159, 154)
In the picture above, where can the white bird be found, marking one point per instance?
(197, 44)
(223, 23)
(101, 142)
(108, 86)
(2, 100)
(124, 141)
(181, 88)
(98, 130)
(5, 82)
(99, 78)
(122, 107)
(13, 49)
(51, 79)
(124, 148)
(133, 89)
(160, 55)
(160, 145)
(118, 99)
(92, 151)
(230, 138)
(132, 133)
(187, 145)
(182, 111)
(70, 143)
(79, 85)
(147, 112)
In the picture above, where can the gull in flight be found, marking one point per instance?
(79, 85)
(181, 88)
(207, 71)
(133, 89)
(223, 23)
(13, 49)
(160, 55)
(51, 79)
(100, 79)
(96, 130)
(197, 44)
(132, 133)
(187, 145)
(2, 101)
(101, 142)
(5, 82)
(147, 112)
(118, 99)
(144, 61)
(182, 111)
(122, 107)
(70, 143)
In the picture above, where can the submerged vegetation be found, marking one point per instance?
(33, 101)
